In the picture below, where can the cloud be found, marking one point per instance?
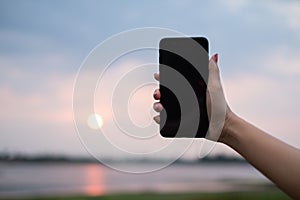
(290, 11)
(233, 5)
(269, 103)
(258, 44)
(51, 105)
(41, 119)
(283, 62)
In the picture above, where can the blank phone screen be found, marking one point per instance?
(183, 76)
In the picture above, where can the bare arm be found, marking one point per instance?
(277, 160)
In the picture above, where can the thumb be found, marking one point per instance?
(217, 103)
(214, 79)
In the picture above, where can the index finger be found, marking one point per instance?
(156, 76)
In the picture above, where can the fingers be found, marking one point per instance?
(157, 107)
(214, 74)
(213, 63)
(156, 94)
(157, 119)
(156, 76)
(215, 58)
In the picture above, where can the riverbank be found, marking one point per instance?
(263, 195)
(76, 180)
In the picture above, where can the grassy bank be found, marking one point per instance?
(274, 195)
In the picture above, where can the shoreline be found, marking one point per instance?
(245, 195)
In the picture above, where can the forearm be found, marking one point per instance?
(275, 159)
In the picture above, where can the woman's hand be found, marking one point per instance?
(275, 159)
(217, 108)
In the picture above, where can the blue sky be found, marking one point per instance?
(43, 43)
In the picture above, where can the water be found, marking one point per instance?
(30, 179)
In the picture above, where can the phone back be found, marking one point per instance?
(183, 68)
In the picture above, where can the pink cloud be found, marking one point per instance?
(51, 105)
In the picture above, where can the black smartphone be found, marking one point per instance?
(183, 68)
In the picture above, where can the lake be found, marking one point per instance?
(42, 179)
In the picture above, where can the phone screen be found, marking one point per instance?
(183, 68)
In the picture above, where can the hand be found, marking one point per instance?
(256, 146)
(157, 106)
(217, 108)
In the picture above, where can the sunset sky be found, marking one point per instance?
(43, 44)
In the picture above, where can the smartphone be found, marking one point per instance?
(183, 68)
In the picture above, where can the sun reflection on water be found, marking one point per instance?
(93, 180)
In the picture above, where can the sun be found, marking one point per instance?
(95, 121)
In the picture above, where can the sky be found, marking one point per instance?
(44, 43)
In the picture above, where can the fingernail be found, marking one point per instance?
(215, 58)
(155, 94)
(156, 119)
(155, 106)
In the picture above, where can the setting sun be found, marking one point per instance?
(95, 121)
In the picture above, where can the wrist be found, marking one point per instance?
(229, 135)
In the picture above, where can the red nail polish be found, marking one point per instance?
(155, 94)
(216, 57)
